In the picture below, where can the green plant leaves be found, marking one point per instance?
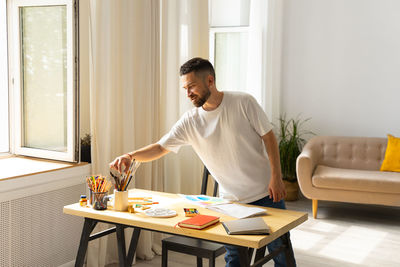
(86, 140)
(291, 143)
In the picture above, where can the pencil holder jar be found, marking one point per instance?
(121, 200)
(99, 200)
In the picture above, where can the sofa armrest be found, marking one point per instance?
(307, 161)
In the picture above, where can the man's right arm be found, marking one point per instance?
(145, 154)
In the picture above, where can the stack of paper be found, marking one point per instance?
(236, 210)
(204, 200)
(224, 206)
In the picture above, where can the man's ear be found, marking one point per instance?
(210, 80)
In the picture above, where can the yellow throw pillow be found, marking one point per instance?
(392, 155)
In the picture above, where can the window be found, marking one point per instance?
(42, 82)
(229, 24)
(236, 44)
(4, 145)
(228, 52)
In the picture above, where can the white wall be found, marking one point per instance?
(341, 65)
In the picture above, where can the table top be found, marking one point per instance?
(279, 221)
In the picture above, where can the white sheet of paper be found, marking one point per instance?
(237, 211)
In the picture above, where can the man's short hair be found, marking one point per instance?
(197, 65)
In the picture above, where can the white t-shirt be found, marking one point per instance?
(228, 141)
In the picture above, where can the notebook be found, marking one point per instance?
(199, 221)
(248, 226)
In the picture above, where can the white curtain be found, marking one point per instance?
(135, 50)
(184, 35)
(264, 54)
(272, 62)
(124, 98)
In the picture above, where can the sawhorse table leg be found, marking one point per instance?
(133, 245)
(124, 259)
(290, 261)
(88, 227)
(245, 254)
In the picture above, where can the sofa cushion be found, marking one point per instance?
(357, 180)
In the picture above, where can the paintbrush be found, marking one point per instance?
(127, 175)
(137, 164)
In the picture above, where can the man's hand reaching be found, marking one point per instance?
(121, 163)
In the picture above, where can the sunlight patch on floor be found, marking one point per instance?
(304, 240)
(353, 245)
(323, 227)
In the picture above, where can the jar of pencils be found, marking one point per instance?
(98, 191)
(100, 200)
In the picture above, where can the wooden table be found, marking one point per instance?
(280, 222)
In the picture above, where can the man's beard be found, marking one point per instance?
(199, 101)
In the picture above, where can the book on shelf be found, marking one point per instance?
(248, 226)
(199, 221)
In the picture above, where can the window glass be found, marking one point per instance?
(229, 13)
(4, 146)
(230, 60)
(43, 40)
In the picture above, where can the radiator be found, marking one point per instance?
(35, 232)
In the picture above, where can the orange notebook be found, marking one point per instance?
(199, 221)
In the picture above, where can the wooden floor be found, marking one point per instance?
(343, 235)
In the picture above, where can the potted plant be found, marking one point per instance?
(291, 143)
(85, 148)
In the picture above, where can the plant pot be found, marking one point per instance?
(85, 154)
(292, 190)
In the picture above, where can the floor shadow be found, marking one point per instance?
(350, 212)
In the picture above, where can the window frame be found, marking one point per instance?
(15, 81)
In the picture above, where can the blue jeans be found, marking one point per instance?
(232, 253)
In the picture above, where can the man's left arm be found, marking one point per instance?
(276, 186)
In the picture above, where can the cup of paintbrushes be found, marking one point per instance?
(121, 200)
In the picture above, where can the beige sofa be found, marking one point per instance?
(346, 169)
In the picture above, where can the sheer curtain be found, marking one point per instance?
(272, 62)
(135, 50)
(184, 35)
(124, 97)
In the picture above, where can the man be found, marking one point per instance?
(232, 136)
